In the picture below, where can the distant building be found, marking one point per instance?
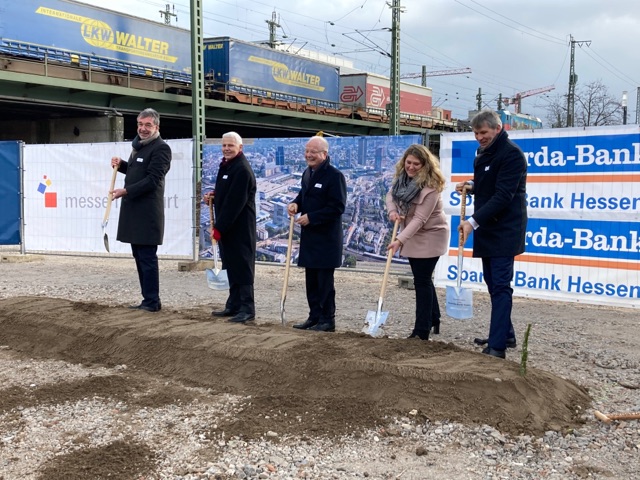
(280, 156)
(280, 215)
(378, 158)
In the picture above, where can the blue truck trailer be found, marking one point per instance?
(68, 31)
(253, 69)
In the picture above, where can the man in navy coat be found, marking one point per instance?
(321, 202)
(141, 220)
(235, 228)
(499, 221)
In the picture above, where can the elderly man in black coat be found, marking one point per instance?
(235, 228)
(321, 202)
(499, 221)
(141, 220)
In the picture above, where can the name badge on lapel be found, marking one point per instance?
(139, 159)
(224, 177)
(318, 185)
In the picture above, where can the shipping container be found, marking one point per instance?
(260, 71)
(72, 32)
(369, 91)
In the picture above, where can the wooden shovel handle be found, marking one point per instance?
(211, 218)
(463, 209)
(287, 264)
(616, 416)
(387, 267)
(110, 195)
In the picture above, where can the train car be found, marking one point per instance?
(76, 33)
(519, 121)
(370, 92)
(257, 70)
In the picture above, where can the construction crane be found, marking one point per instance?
(438, 73)
(516, 100)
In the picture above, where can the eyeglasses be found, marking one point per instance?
(315, 152)
(146, 125)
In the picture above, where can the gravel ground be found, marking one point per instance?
(84, 421)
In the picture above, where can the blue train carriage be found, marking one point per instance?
(79, 34)
(261, 74)
(519, 121)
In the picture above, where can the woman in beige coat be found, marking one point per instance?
(415, 198)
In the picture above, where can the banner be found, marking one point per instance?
(368, 164)
(65, 198)
(583, 202)
(10, 153)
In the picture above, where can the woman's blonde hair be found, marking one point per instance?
(430, 174)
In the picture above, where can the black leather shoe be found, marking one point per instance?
(243, 317)
(308, 323)
(421, 335)
(324, 327)
(145, 308)
(511, 342)
(224, 313)
(493, 352)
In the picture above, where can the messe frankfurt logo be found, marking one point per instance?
(50, 198)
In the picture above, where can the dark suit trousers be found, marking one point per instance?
(241, 298)
(146, 257)
(498, 273)
(321, 294)
(427, 308)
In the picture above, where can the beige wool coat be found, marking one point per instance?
(425, 232)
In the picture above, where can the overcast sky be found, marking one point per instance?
(510, 45)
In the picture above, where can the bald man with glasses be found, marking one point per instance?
(321, 203)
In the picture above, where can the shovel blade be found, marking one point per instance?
(106, 242)
(459, 303)
(284, 322)
(217, 280)
(374, 322)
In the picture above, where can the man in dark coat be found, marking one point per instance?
(321, 202)
(234, 200)
(141, 220)
(499, 221)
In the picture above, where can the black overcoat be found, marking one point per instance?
(235, 211)
(500, 206)
(141, 219)
(322, 198)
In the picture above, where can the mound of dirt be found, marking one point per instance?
(296, 382)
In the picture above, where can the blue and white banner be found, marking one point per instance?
(583, 198)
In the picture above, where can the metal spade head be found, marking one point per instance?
(106, 242)
(374, 323)
(217, 279)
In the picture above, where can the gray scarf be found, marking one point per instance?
(137, 143)
(403, 191)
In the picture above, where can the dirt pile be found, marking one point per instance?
(296, 382)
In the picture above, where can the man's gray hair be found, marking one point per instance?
(233, 135)
(150, 113)
(486, 117)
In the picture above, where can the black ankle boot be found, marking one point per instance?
(422, 335)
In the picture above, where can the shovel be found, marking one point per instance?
(287, 266)
(105, 220)
(460, 300)
(216, 279)
(376, 319)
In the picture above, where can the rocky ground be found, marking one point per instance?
(90, 389)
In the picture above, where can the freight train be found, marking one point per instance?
(126, 49)
(519, 121)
